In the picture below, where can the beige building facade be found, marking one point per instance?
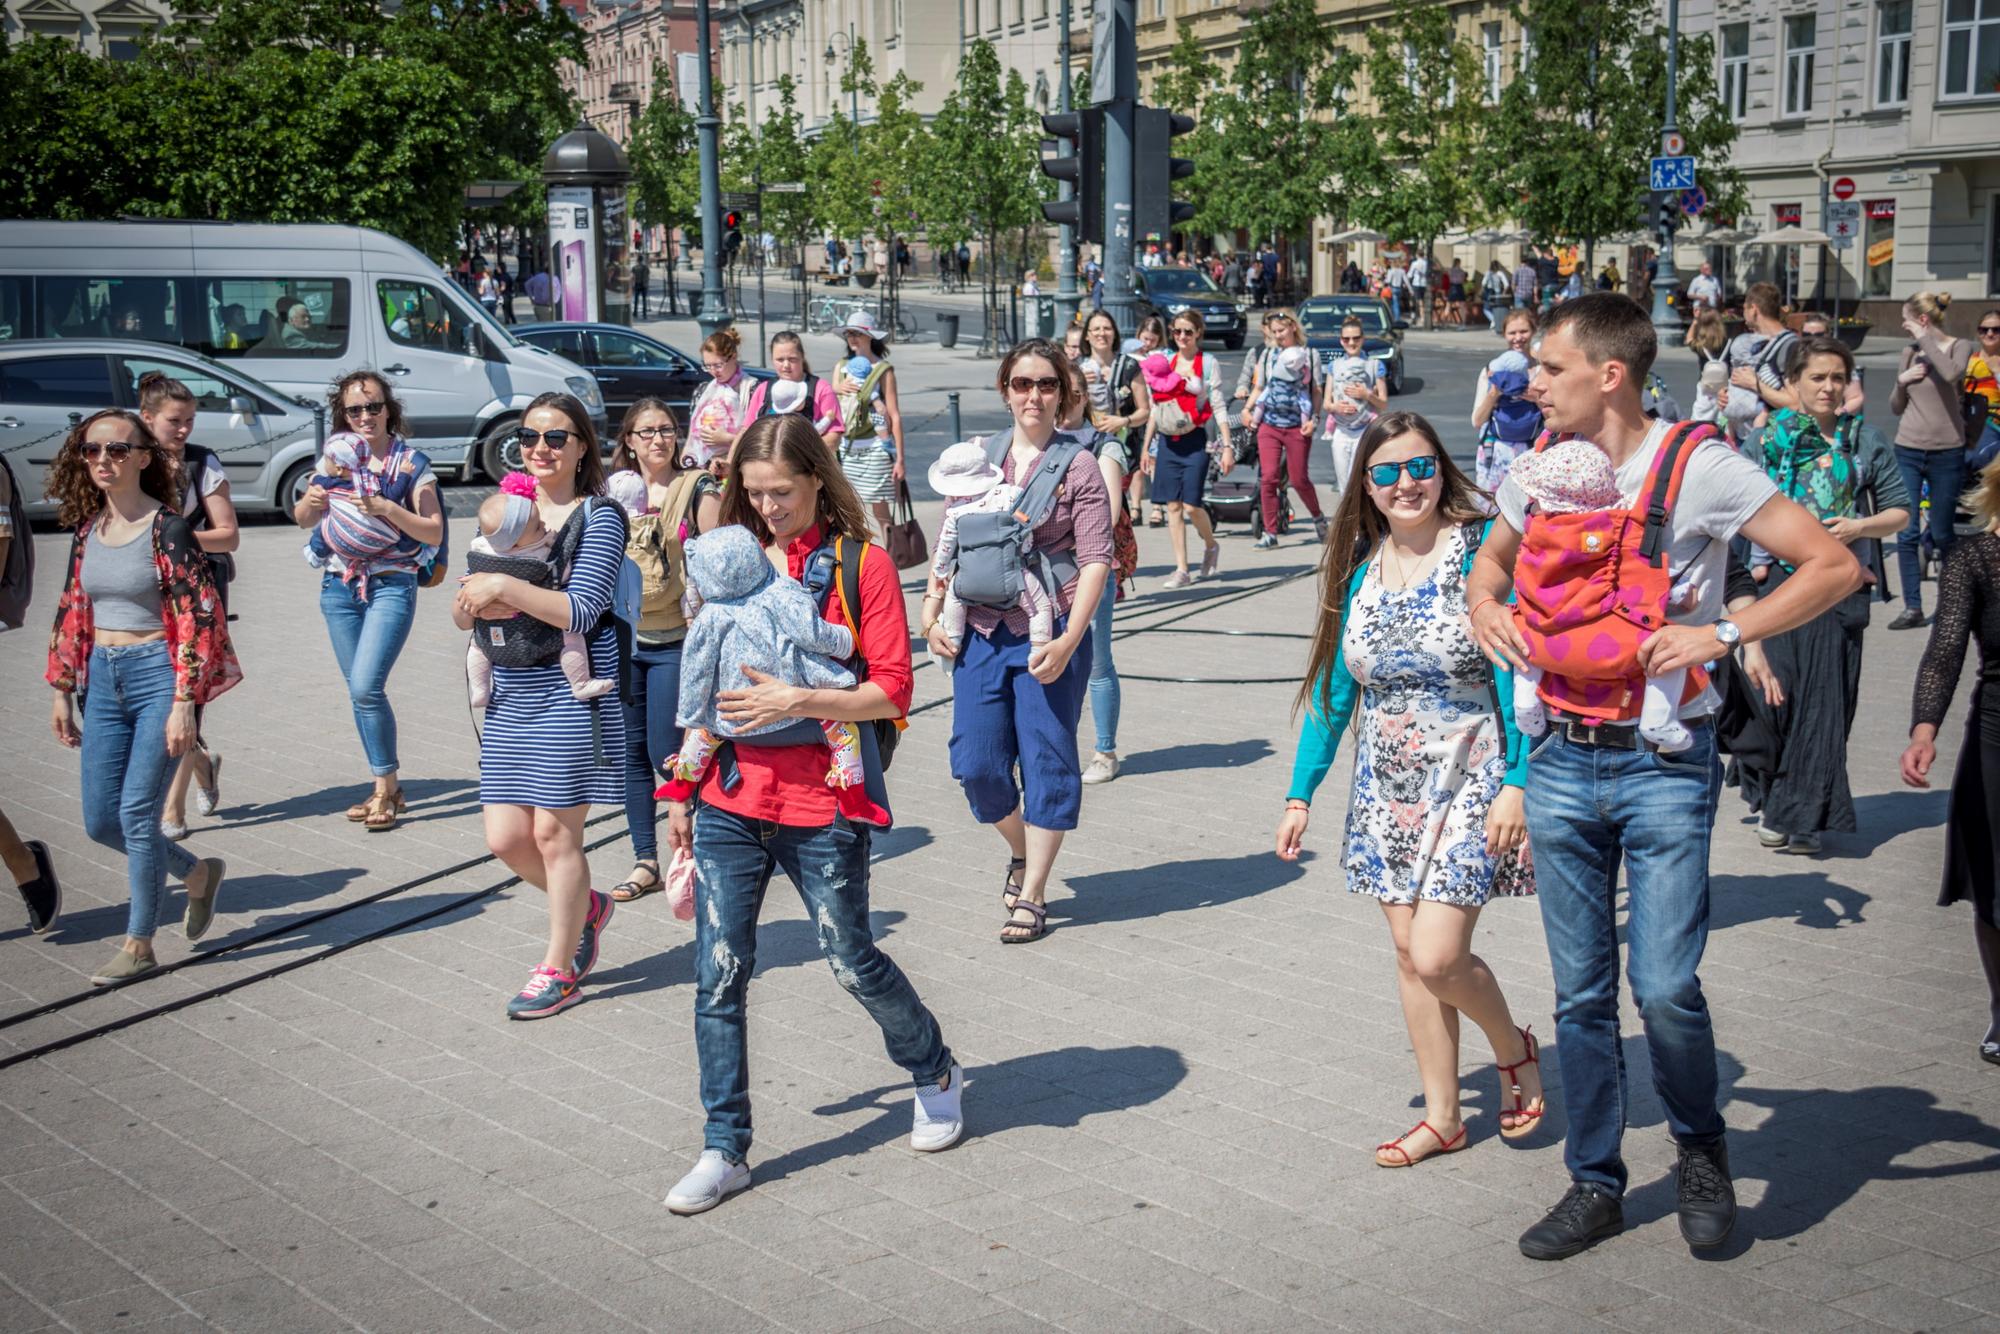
(109, 28)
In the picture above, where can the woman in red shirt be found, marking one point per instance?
(778, 812)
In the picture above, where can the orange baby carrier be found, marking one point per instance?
(1592, 587)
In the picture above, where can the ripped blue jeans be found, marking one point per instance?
(828, 865)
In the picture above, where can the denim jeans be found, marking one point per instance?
(828, 865)
(651, 735)
(366, 637)
(1944, 469)
(125, 771)
(1587, 806)
(1105, 696)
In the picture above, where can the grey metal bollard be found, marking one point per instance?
(951, 414)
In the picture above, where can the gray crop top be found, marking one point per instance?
(122, 583)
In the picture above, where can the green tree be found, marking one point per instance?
(1572, 134)
(1279, 128)
(666, 166)
(1410, 167)
(983, 176)
(1189, 83)
(783, 155)
(66, 125)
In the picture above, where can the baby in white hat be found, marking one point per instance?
(970, 483)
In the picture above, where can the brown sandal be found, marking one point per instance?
(384, 813)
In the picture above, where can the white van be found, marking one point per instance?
(295, 305)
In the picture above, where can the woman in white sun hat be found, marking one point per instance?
(871, 449)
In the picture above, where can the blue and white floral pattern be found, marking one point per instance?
(1429, 754)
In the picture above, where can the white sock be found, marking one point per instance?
(1530, 715)
(1659, 713)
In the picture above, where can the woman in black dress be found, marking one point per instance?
(1968, 605)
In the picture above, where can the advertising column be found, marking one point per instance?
(573, 258)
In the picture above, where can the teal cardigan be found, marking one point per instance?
(1319, 739)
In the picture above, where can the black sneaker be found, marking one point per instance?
(1585, 1216)
(1707, 1197)
(43, 894)
(1910, 618)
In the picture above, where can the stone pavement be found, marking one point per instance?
(1172, 1100)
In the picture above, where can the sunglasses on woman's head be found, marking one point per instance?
(555, 440)
(1047, 384)
(1421, 469)
(115, 450)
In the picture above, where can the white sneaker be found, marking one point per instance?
(1178, 579)
(713, 1180)
(1101, 769)
(937, 1122)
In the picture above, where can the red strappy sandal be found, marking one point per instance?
(1527, 1117)
(1452, 1145)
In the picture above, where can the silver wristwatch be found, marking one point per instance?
(1727, 633)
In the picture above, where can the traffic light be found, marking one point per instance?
(732, 233)
(1083, 169)
(1154, 170)
(1666, 210)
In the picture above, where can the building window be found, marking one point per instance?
(1801, 41)
(1892, 53)
(1878, 246)
(1736, 70)
(1490, 49)
(1528, 56)
(1971, 48)
(1410, 66)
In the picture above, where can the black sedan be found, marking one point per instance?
(1320, 318)
(629, 366)
(1168, 292)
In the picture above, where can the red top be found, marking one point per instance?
(787, 784)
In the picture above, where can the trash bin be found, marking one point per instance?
(1045, 316)
(694, 301)
(797, 273)
(947, 330)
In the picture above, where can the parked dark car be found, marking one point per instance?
(628, 365)
(1168, 292)
(1320, 318)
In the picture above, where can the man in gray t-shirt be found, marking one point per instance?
(1598, 795)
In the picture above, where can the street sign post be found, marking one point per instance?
(1672, 173)
(739, 199)
(1694, 201)
(784, 187)
(1844, 188)
(1843, 222)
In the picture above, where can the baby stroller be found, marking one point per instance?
(1237, 497)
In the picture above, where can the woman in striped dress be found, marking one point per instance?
(545, 756)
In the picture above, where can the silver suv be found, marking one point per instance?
(265, 440)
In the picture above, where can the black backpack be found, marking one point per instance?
(17, 580)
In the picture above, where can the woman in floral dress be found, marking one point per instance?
(1436, 825)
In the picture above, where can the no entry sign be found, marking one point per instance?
(1843, 188)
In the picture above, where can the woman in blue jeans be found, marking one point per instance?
(141, 636)
(1930, 441)
(680, 502)
(768, 808)
(368, 605)
(1106, 698)
(1015, 706)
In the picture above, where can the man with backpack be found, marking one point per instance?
(1598, 791)
(26, 860)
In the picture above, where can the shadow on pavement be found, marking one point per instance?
(240, 894)
(1057, 1089)
(1880, 816)
(787, 943)
(1809, 898)
(1196, 755)
(424, 795)
(1148, 891)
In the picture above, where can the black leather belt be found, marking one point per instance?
(1613, 736)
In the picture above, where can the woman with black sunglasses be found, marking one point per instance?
(1436, 823)
(368, 605)
(1015, 705)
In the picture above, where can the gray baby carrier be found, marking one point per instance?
(993, 561)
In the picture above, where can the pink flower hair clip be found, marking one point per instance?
(518, 484)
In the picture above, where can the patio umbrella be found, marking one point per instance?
(1354, 234)
(1791, 236)
(1722, 236)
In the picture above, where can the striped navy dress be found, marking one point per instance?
(537, 748)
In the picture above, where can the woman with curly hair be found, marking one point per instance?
(140, 634)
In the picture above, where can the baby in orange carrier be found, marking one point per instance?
(1581, 610)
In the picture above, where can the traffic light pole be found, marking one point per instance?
(1066, 295)
(1666, 280)
(714, 306)
(1122, 68)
